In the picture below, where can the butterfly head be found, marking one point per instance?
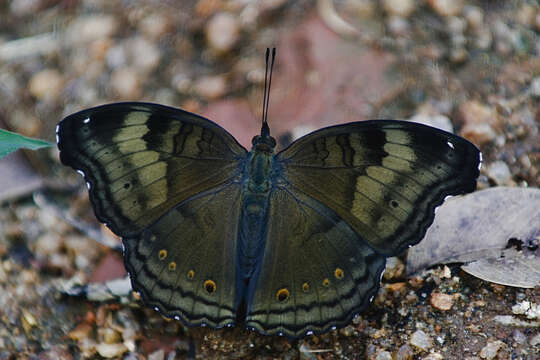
(263, 143)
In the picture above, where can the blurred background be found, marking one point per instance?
(470, 67)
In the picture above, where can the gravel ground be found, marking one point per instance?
(468, 66)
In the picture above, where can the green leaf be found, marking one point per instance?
(10, 141)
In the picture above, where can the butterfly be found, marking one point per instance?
(289, 243)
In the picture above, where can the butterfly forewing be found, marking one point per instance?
(316, 272)
(142, 159)
(384, 178)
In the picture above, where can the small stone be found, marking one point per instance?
(48, 244)
(474, 16)
(436, 120)
(401, 8)
(145, 54)
(155, 25)
(157, 355)
(399, 287)
(433, 356)
(534, 312)
(222, 32)
(28, 321)
(521, 307)
(491, 349)
(347, 331)
(447, 7)
(90, 28)
(441, 301)
(398, 25)
(46, 85)
(479, 134)
(111, 350)
(499, 172)
(420, 340)
(126, 83)
(483, 39)
(458, 55)
(82, 331)
(211, 87)
(383, 355)
(535, 86)
(519, 337)
(405, 353)
(535, 340)
(395, 269)
(109, 336)
(362, 9)
(526, 15)
(478, 120)
(24, 7)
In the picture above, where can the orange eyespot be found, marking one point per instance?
(339, 274)
(162, 254)
(190, 274)
(326, 282)
(282, 294)
(210, 286)
(305, 287)
(172, 266)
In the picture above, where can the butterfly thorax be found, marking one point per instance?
(260, 164)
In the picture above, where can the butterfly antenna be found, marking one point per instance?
(265, 131)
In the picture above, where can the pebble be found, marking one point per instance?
(433, 356)
(474, 16)
(46, 85)
(157, 355)
(111, 350)
(383, 355)
(211, 87)
(535, 340)
(362, 9)
(222, 32)
(441, 301)
(519, 337)
(24, 7)
(395, 268)
(397, 25)
(499, 172)
(420, 340)
(436, 120)
(48, 244)
(478, 120)
(82, 331)
(447, 7)
(347, 331)
(109, 336)
(535, 86)
(145, 54)
(155, 25)
(405, 352)
(93, 27)
(126, 83)
(491, 349)
(402, 8)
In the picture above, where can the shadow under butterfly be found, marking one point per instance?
(292, 243)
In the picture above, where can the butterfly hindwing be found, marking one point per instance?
(384, 178)
(316, 272)
(142, 159)
(183, 264)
